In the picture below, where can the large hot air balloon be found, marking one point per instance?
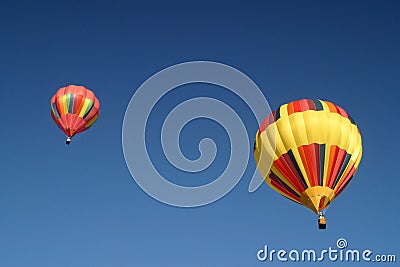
(315, 148)
(74, 109)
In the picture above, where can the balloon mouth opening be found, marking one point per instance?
(70, 132)
(317, 198)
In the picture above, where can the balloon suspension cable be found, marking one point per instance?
(79, 136)
(325, 210)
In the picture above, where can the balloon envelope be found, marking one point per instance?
(318, 150)
(74, 109)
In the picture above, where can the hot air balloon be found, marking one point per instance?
(315, 148)
(74, 109)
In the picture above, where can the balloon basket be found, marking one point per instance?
(321, 222)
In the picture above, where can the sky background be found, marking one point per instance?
(79, 206)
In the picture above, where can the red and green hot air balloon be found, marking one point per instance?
(315, 148)
(74, 109)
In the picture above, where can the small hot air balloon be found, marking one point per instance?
(315, 147)
(74, 109)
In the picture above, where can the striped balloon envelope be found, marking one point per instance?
(315, 148)
(74, 109)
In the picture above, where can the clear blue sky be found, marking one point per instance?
(79, 206)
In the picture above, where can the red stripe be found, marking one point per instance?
(267, 121)
(77, 103)
(63, 123)
(290, 108)
(303, 104)
(280, 165)
(281, 188)
(296, 106)
(312, 162)
(67, 125)
(338, 189)
(342, 112)
(58, 105)
(57, 121)
(292, 167)
(311, 104)
(305, 160)
(321, 203)
(300, 106)
(80, 126)
(286, 167)
(346, 173)
(338, 161)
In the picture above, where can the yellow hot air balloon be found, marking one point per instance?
(315, 147)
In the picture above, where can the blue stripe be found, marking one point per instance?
(278, 114)
(55, 111)
(351, 119)
(292, 158)
(71, 103)
(92, 104)
(275, 178)
(318, 105)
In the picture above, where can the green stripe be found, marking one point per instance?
(67, 100)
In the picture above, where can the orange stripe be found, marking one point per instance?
(332, 107)
(341, 154)
(346, 173)
(332, 157)
(78, 110)
(345, 182)
(283, 167)
(290, 108)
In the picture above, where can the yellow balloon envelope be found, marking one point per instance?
(315, 147)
